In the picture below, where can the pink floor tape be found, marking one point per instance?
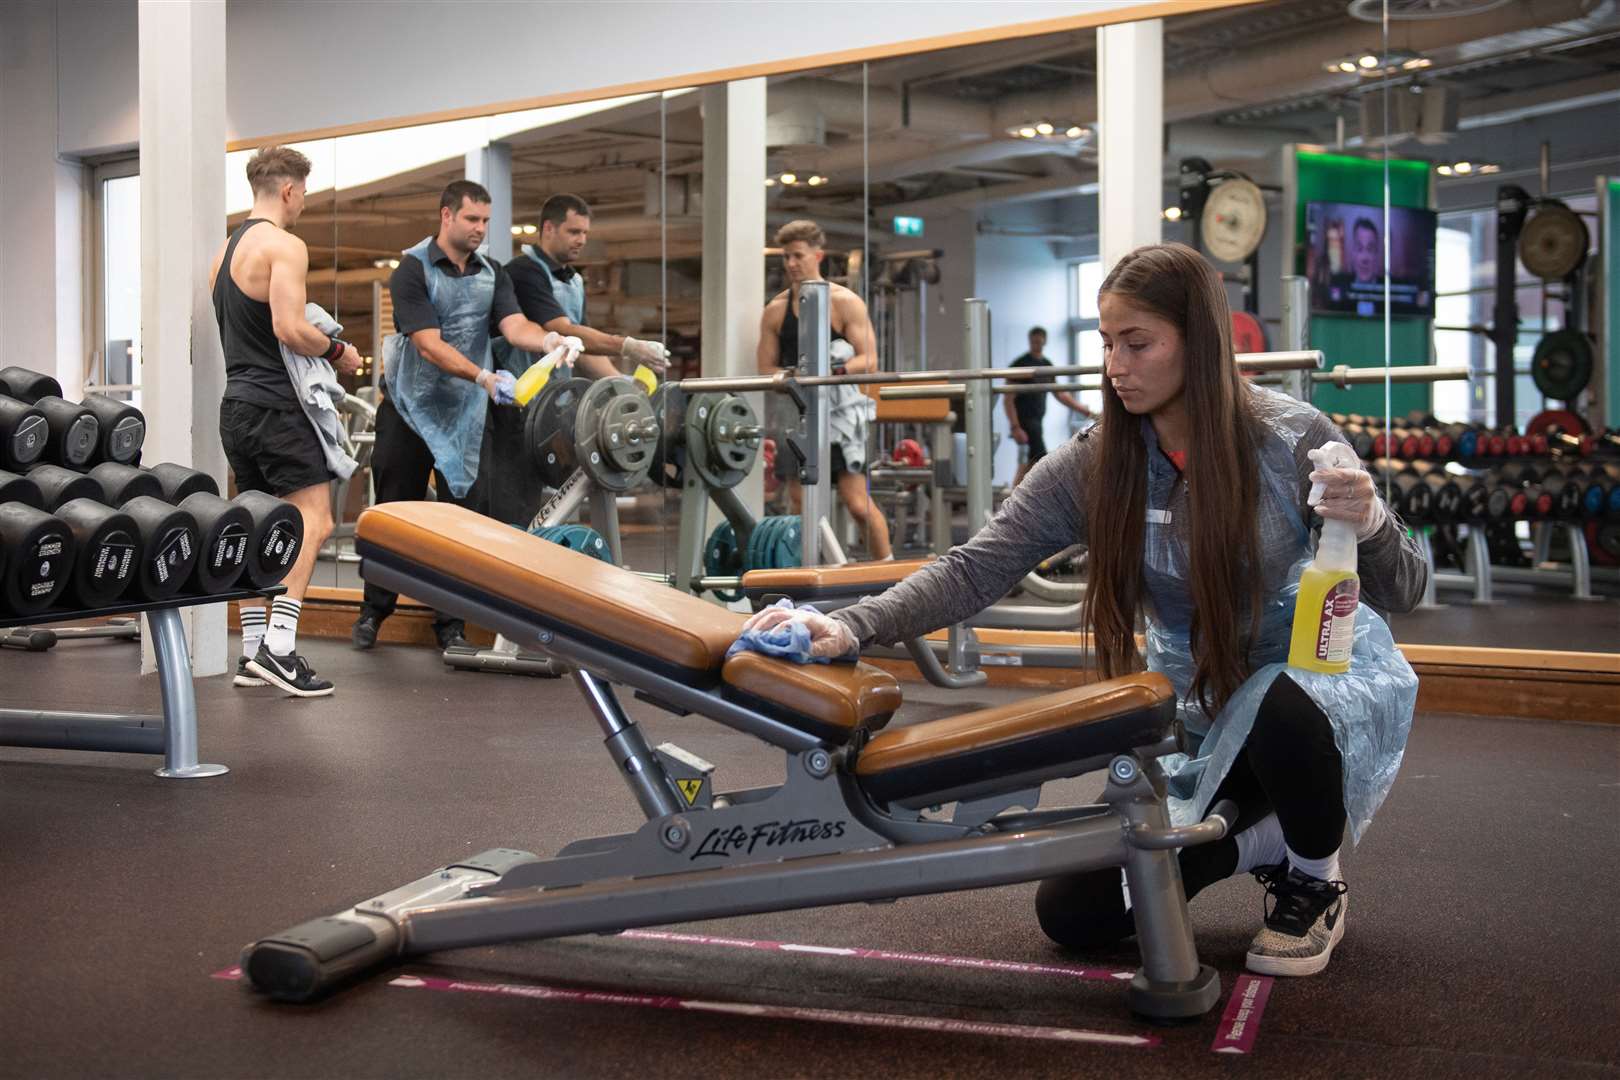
(1069, 971)
(1240, 1024)
(940, 1025)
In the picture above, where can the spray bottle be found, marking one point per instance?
(1329, 589)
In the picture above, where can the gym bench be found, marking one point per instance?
(848, 824)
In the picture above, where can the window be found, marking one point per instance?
(117, 194)
(1086, 278)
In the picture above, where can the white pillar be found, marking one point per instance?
(1130, 100)
(491, 165)
(43, 282)
(734, 241)
(182, 103)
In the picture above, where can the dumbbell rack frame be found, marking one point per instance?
(173, 734)
(1480, 573)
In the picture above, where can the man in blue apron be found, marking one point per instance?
(551, 291)
(439, 378)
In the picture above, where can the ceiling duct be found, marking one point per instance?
(800, 124)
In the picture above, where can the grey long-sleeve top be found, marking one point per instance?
(1046, 513)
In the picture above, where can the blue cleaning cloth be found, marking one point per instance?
(789, 641)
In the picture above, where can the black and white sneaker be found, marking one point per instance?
(1304, 921)
(244, 677)
(291, 673)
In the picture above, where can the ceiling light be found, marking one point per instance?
(1346, 66)
(1044, 128)
(769, 182)
(530, 230)
(1463, 168)
(517, 230)
(1074, 132)
(1027, 132)
(1367, 61)
(393, 264)
(790, 178)
(1172, 213)
(1445, 170)
(1488, 168)
(817, 180)
(1416, 63)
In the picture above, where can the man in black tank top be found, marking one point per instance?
(258, 291)
(854, 350)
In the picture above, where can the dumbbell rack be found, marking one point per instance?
(173, 734)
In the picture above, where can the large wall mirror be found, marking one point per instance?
(1403, 195)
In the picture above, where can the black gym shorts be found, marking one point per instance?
(271, 450)
(1037, 442)
(786, 463)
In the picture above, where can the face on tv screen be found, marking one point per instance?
(1344, 258)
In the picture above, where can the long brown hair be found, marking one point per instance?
(1175, 283)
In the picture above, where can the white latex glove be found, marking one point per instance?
(501, 386)
(651, 353)
(1349, 495)
(571, 347)
(828, 636)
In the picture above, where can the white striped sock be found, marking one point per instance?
(282, 637)
(254, 621)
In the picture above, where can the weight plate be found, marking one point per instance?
(1552, 244)
(712, 446)
(721, 559)
(548, 429)
(1234, 220)
(610, 440)
(669, 458)
(1248, 334)
(1562, 364)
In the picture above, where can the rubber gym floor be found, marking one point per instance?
(1482, 938)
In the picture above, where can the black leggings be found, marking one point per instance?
(1289, 765)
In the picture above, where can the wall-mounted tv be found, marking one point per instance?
(1344, 259)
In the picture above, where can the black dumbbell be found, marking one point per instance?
(109, 546)
(121, 483)
(224, 529)
(168, 537)
(23, 435)
(97, 429)
(38, 555)
(73, 432)
(180, 483)
(14, 488)
(123, 429)
(58, 485)
(27, 386)
(276, 536)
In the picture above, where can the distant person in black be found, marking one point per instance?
(1025, 412)
(258, 289)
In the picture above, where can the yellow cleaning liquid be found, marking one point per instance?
(1329, 589)
(534, 380)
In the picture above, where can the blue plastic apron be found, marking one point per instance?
(569, 294)
(1370, 706)
(447, 412)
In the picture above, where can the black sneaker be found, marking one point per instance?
(450, 634)
(244, 677)
(1304, 922)
(291, 673)
(364, 633)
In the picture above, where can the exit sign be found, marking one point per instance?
(908, 226)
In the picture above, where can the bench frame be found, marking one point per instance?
(816, 839)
